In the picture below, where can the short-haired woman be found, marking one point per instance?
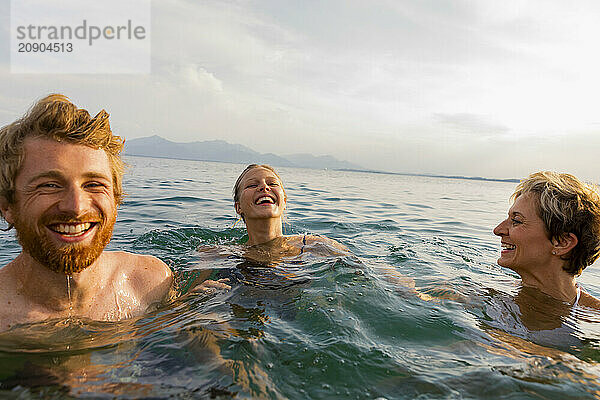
(551, 234)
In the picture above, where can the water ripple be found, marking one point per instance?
(351, 326)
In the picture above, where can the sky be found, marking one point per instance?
(475, 88)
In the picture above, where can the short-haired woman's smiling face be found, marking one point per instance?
(262, 195)
(525, 242)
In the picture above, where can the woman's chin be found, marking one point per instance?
(504, 263)
(265, 216)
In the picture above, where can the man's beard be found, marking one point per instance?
(68, 258)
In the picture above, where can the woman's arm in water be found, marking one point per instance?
(201, 282)
(401, 281)
(405, 283)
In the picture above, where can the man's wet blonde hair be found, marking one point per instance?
(55, 117)
(567, 205)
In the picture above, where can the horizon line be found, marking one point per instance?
(370, 171)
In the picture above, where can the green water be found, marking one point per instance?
(312, 327)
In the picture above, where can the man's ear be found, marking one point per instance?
(6, 210)
(238, 209)
(564, 243)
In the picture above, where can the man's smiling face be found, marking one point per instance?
(64, 209)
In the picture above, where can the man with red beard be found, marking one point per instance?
(60, 185)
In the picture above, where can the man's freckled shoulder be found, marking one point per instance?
(143, 268)
(8, 287)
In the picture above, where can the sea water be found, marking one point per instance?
(312, 327)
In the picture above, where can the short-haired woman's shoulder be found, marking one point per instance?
(587, 300)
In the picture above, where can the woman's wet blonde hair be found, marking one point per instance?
(55, 117)
(238, 183)
(567, 205)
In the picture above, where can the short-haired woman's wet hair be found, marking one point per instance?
(55, 117)
(567, 205)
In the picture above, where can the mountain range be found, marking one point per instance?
(222, 151)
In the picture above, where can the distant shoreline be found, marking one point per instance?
(468, 178)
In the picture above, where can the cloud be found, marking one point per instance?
(449, 86)
(471, 124)
(195, 77)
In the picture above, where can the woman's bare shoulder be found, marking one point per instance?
(587, 300)
(314, 239)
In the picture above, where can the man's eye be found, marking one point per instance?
(251, 185)
(94, 185)
(516, 221)
(48, 186)
(273, 184)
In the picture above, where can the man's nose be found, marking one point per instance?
(75, 200)
(264, 186)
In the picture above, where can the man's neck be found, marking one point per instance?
(53, 290)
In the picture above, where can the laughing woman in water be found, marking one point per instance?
(260, 201)
(551, 234)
